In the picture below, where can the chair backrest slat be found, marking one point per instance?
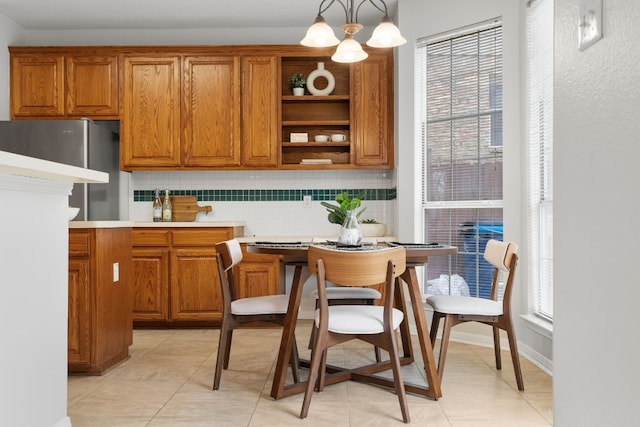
(357, 268)
(499, 253)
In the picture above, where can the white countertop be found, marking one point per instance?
(16, 164)
(100, 224)
(192, 224)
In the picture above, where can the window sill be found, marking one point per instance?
(538, 325)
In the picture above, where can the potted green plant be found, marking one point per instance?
(297, 83)
(338, 213)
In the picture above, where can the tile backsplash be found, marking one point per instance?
(270, 202)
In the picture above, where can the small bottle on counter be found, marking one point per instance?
(157, 207)
(166, 207)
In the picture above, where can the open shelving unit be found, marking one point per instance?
(316, 115)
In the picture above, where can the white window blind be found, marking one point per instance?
(459, 108)
(539, 101)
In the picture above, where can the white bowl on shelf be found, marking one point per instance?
(73, 212)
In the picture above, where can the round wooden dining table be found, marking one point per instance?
(295, 255)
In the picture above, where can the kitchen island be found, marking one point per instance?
(33, 309)
(100, 281)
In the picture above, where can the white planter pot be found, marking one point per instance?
(373, 230)
(298, 91)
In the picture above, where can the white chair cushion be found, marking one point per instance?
(260, 305)
(358, 319)
(348, 292)
(455, 304)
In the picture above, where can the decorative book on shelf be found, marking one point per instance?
(315, 162)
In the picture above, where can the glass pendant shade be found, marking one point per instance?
(320, 34)
(349, 51)
(386, 35)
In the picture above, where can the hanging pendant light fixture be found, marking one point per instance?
(349, 50)
(320, 34)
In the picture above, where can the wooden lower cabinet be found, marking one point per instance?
(150, 284)
(99, 317)
(195, 287)
(175, 276)
(257, 275)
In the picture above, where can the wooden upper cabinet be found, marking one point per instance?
(150, 119)
(372, 111)
(214, 107)
(211, 113)
(260, 103)
(92, 85)
(64, 85)
(37, 85)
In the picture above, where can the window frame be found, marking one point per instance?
(487, 107)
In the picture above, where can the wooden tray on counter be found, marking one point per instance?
(185, 208)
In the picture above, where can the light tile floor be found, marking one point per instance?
(167, 382)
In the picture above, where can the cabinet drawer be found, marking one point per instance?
(150, 237)
(208, 237)
(79, 243)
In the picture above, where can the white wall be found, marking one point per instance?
(33, 307)
(10, 34)
(596, 229)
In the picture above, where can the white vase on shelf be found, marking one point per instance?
(298, 91)
(321, 72)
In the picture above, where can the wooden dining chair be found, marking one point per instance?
(239, 311)
(457, 309)
(348, 295)
(374, 324)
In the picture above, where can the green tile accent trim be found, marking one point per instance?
(268, 195)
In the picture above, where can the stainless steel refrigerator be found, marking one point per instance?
(83, 143)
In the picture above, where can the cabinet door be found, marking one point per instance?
(257, 275)
(150, 284)
(92, 85)
(37, 85)
(211, 113)
(372, 111)
(195, 287)
(150, 119)
(260, 111)
(79, 315)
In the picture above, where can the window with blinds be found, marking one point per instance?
(539, 107)
(459, 107)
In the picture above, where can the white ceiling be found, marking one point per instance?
(179, 14)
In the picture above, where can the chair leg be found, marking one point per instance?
(322, 371)
(496, 347)
(294, 361)
(316, 357)
(227, 350)
(435, 323)
(397, 378)
(222, 356)
(515, 357)
(312, 337)
(444, 343)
